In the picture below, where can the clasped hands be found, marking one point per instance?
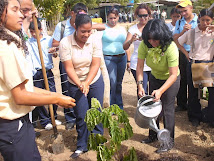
(84, 87)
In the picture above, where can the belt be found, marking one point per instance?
(116, 55)
(201, 61)
(41, 69)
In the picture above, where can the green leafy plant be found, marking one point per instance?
(131, 156)
(115, 121)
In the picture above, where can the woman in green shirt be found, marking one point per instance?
(161, 56)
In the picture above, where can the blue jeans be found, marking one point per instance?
(116, 66)
(83, 103)
(146, 75)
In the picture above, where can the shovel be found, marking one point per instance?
(58, 144)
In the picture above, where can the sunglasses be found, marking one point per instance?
(143, 15)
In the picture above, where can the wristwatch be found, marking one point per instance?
(140, 82)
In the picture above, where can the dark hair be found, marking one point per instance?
(142, 6)
(4, 34)
(156, 29)
(32, 27)
(82, 19)
(175, 10)
(79, 7)
(206, 12)
(113, 11)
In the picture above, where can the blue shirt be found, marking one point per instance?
(68, 30)
(34, 58)
(179, 28)
(113, 39)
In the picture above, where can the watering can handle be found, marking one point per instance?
(147, 101)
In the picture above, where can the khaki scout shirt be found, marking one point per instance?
(204, 44)
(81, 57)
(14, 70)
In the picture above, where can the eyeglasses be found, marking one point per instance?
(143, 15)
(25, 10)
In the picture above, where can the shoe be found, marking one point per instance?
(49, 126)
(69, 126)
(165, 147)
(180, 108)
(37, 134)
(195, 122)
(58, 122)
(148, 140)
(77, 153)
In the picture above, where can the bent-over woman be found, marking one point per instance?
(161, 55)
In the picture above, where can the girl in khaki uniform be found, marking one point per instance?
(17, 94)
(202, 51)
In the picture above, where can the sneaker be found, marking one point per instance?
(77, 153)
(58, 122)
(49, 126)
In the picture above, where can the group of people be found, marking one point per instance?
(162, 56)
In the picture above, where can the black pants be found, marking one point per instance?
(182, 93)
(69, 112)
(40, 111)
(18, 145)
(168, 101)
(194, 106)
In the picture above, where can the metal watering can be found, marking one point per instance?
(146, 115)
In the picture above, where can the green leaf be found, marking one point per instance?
(95, 103)
(132, 156)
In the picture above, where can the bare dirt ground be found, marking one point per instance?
(191, 143)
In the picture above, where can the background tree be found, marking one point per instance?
(201, 4)
(51, 10)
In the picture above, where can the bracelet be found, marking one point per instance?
(140, 82)
(128, 61)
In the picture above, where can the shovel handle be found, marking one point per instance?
(44, 70)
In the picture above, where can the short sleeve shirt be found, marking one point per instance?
(179, 26)
(14, 70)
(113, 39)
(81, 57)
(133, 65)
(204, 44)
(160, 69)
(46, 43)
(68, 30)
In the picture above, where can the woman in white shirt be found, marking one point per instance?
(143, 14)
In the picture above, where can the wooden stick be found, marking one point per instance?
(44, 72)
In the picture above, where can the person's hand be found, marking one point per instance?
(65, 101)
(135, 37)
(187, 27)
(128, 67)
(187, 56)
(157, 94)
(210, 29)
(141, 91)
(53, 50)
(84, 87)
